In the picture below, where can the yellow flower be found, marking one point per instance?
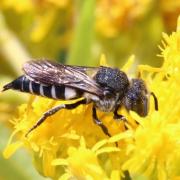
(69, 145)
(29, 5)
(41, 16)
(17, 5)
(170, 12)
(154, 152)
(113, 16)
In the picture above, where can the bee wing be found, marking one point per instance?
(52, 73)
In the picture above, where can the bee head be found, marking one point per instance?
(137, 97)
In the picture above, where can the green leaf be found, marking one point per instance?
(80, 51)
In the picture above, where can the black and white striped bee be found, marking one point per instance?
(107, 88)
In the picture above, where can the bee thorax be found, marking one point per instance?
(113, 79)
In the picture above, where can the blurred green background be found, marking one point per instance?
(73, 32)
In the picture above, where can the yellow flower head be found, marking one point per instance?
(170, 11)
(44, 15)
(114, 16)
(69, 145)
(155, 149)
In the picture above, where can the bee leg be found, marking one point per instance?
(99, 123)
(53, 111)
(120, 117)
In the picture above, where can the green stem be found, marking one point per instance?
(80, 51)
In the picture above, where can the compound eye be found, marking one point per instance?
(139, 104)
(143, 106)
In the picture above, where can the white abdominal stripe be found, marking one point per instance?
(70, 93)
(50, 91)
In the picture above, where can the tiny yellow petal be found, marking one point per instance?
(71, 136)
(118, 137)
(34, 147)
(107, 150)
(65, 176)
(11, 149)
(99, 145)
(47, 167)
(129, 63)
(103, 61)
(115, 175)
(82, 142)
(59, 162)
(178, 24)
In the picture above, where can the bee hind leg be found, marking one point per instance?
(53, 111)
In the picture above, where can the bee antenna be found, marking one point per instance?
(155, 101)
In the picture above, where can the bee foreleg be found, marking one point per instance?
(119, 116)
(53, 111)
(99, 123)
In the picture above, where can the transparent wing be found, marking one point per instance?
(49, 72)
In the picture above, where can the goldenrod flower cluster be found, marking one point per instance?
(117, 16)
(69, 145)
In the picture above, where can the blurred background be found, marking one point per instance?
(73, 32)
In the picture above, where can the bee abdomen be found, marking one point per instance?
(16, 84)
(51, 91)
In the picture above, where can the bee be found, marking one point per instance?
(107, 88)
